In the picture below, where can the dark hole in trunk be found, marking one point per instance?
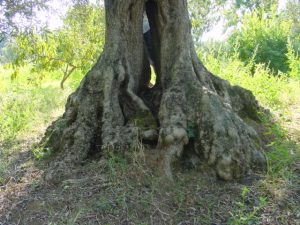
(152, 95)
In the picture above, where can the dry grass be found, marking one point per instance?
(120, 191)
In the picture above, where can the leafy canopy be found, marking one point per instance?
(22, 9)
(263, 36)
(75, 46)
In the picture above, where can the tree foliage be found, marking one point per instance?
(292, 13)
(204, 14)
(263, 36)
(75, 46)
(10, 10)
(239, 8)
(258, 29)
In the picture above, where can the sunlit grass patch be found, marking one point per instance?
(25, 108)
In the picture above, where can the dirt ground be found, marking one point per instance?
(114, 191)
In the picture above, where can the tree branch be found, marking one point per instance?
(66, 75)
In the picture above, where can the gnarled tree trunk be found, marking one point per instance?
(188, 108)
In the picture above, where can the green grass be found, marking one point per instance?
(277, 93)
(27, 104)
(28, 101)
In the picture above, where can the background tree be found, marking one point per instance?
(239, 8)
(292, 13)
(188, 109)
(204, 15)
(17, 14)
(268, 36)
(75, 46)
(263, 37)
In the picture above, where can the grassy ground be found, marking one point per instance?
(120, 191)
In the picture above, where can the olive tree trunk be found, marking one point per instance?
(188, 108)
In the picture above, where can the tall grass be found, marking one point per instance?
(27, 104)
(276, 92)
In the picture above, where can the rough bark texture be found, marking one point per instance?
(188, 108)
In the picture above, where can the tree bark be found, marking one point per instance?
(188, 109)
